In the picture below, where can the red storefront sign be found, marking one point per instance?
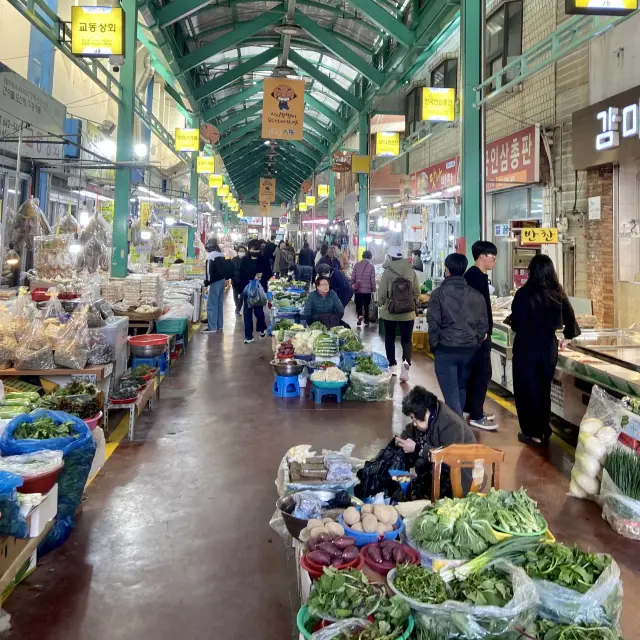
(513, 160)
(435, 178)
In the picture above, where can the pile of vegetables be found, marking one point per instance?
(387, 552)
(324, 529)
(127, 388)
(15, 404)
(420, 584)
(143, 370)
(326, 345)
(330, 374)
(317, 326)
(378, 519)
(336, 551)
(365, 364)
(623, 467)
(389, 622)
(515, 512)
(285, 350)
(43, 429)
(352, 345)
(548, 630)
(77, 398)
(344, 594)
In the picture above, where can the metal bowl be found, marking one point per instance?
(288, 368)
(286, 506)
(147, 350)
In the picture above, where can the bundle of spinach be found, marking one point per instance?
(343, 594)
(547, 630)
(418, 583)
(389, 622)
(352, 345)
(566, 566)
(486, 588)
(43, 429)
(515, 512)
(365, 364)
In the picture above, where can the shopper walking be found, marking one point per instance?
(254, 267)
(363, 282)
(484, 254)
(322, 254)
(283, 257)
(458, 325)
(268, 250)
(217, 275)
(305, 259)
(235, 279)
(397, 297)
(539, 309)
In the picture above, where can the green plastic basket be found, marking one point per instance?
(303, 619)
(172, 325)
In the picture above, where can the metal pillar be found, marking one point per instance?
(363, 180)
(124, 153)
(472, 119)
(332, 194)
(226, 220)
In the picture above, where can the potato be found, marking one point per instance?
(334, 529)
(313, 523)
(357, 527)
(385, 514)
(370, 524)
(318, 531)
(366, 508)
(327, 520)
(387, 527)
(351, 516)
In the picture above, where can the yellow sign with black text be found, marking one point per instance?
(97, 32)
(267, 190)
(145, 214)
(311, 201)
(387, 143)
(302, 206)
(360, 164)
(223, 190)
(104, 207)
(215, 181)
(282, 109)
(187, 139)
(539, 235)
(205, 164)
(438, 105)
(323, 190)
(179, 235)
(601, 7)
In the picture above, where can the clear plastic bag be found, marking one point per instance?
(336, 629)
(67, 224)
(32, 465)
(620, 511)
(95, 255)
(12, 523)
(100, 351)
(30, 222)
(72, 349)
(8, 342)
(601, 605)
(368, 388)
(338, 467)
(34, 353)
(308, 505)
(453, 619)
(97, 227)
(256, 297)
(178, 311)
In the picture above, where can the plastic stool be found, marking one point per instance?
(317, 394)
(286, 387)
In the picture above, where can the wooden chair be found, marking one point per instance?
(463, 456)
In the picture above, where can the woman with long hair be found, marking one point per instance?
(539, 309)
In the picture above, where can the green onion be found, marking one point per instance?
(623, 467)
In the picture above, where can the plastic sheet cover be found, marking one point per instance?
(620, 511)
(368, 388)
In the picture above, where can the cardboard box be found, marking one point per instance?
(38, 517)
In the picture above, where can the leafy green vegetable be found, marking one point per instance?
(365, 364)
(487, 588)
(389, 622)
(317, 326)
(515, 512)
(142, 370)
(43, 429)
(421, 584)
(548, 630)
(352, 345)
(343, 594)
(623, 466)
(284, 324)
(566, 566)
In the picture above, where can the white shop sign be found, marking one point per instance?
(595, 210)
(21, 104)
(614, 123)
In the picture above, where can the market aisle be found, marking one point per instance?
(173, 541)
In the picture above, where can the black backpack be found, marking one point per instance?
(401, 299)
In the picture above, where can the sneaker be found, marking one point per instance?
(485, 424)
(238, 314)
(490, 416)
(404, 371)
(359, 321)
(263, 334)
(209, 331)
(248, 341)
(394, 369)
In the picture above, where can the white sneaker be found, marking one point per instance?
(394, 369)
(485, 424)
(404, 371)
(248, 341)
(263, 334)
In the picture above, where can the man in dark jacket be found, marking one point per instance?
(484, 254)
(458, 325)
(268, 250)
(338, 282)
(305, 259)
(254, 267)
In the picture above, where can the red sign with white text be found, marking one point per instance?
(513, 160)
(437, 177)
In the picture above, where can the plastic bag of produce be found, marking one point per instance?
(34, 352)
(67, 224)
(8, 342)
(620, 511)
(339, 630)
(348, 359)
(100, 350)
(12, 523)
(72, 348)
(368, 388)
(308, 505)
(77, 450)
(29, 465)
(30, 222)
(601, 605)
(256, 297)
(453, 619)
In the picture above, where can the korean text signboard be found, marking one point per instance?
(513, 160)
(205, 164)
(601, 7)
(215, 181)
(387, 143)
(282, 109)
(438, 105)
(323, 190)
(187, 139)
(267, 190)
(435, 178)
(539, 235)
(97, 32)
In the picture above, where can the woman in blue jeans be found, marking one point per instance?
(217, 274)
(254, 267)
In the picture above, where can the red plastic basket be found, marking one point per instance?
(315, 570)
(151, 339)
(40, 295)
(40, 484)
(123, 400)
(385, 567)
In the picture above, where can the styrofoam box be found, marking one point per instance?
(38, 517)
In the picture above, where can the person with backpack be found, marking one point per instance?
(458, 325)
(398, 295)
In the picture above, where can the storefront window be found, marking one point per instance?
(628, 223)
(504, 37)
(444, 228)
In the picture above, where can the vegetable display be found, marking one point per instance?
(331, 550)
(389, 622)
(77, 398)
(418, 583)
(331, 374)
(388, 553)
(515, 512)
(344, 594)
(43, 429)
(285, 350)
(548, 630)
(378, 519)
(365, 364)
(317, 326)
(486, 588)
(143, 370)
(623, 467)
(352, 345)
(326, 345)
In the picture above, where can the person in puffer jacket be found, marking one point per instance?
(363, 281)
(217, 275)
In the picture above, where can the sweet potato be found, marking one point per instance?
(374, 553)
(328, 548)
(350, 553)
(399, 555)
(337, 562)
(387, 554)
(320, 557)
(311, 544)
(342, 542)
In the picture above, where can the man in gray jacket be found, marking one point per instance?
(458, 324)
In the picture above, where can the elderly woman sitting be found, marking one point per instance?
(323, 305)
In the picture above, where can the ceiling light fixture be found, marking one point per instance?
(289, 29)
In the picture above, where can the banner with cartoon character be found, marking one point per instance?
(282, 109)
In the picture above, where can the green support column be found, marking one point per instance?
(363, 179)
(226, 220)
(193, 191)
(332, 194)
(472, 129)
(124, 153)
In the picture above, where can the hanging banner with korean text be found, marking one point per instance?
(205, 164)
(267, 190)
(179, 236)
(282, 109)
(438, 105)
(223, 190)
(145, 214)
(187, 139)
(435, 178)
(97, 32)
(215, 181)
(387, 143)
(323, 190)
(539, 235)
(513, 161)
(311, 201)
(302, 206)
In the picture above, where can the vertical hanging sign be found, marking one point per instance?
(265, 208)
(282, 109)
(145, 214)
(323, 190)
(267, 190)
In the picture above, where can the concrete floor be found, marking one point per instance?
(173, 540)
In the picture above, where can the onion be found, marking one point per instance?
(591, 426)
(588, 465)
(592, 446)
(576, 491)
(608, 436)
(589, 485)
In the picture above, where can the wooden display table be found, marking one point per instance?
(96, 372)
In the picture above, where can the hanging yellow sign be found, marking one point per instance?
(105, 207)
(311, 201)
(179, 235)
(234, 206)
(145, 214)
(265, 208)
(302, 206)
(97, 32)
(539, 235)
(215, 181)
(323, 190)
(387, 143)
(282, 109)
(360, 164)
(438, 105)
(187, 139)
(223, 190)
(205, 164)
(267, 189)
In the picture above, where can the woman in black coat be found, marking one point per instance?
(539, 309)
